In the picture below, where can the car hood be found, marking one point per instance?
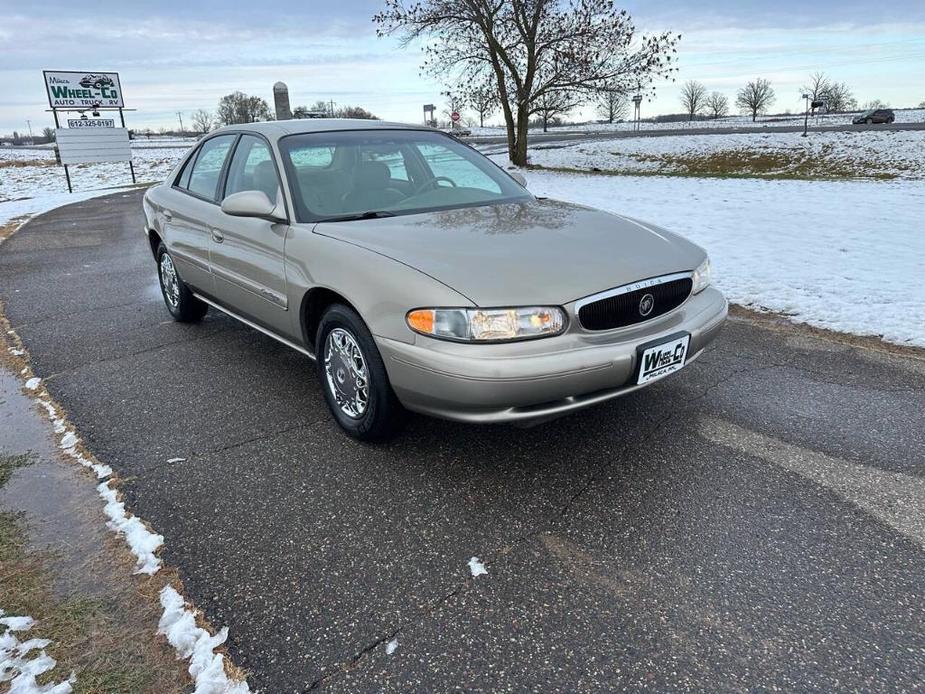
(535, 252)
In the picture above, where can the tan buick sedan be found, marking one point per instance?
(420, 275)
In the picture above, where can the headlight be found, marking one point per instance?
(703, 275)
(487, 324)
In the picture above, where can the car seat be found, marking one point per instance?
(371, 189)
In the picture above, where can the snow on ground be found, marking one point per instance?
(845, 256)
(477, 568)
(178, 624)
(26, 173)
(864, 154)
(904, 115)
(21, 662)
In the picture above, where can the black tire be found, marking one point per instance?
(383, 415)
(181, 303)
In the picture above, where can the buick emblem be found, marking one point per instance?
(646, 305)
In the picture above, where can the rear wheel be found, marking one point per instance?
(181, 303)
(354, 380)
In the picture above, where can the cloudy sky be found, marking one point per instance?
(181, 55)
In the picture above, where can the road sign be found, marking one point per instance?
(454, 116)
(92, 145)
(91, 123)
(83, 90)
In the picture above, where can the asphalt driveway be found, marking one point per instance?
(756, 521)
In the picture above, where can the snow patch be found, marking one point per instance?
(391, 647)
(101, 471)
(20, 670)
(192, 642)
(141, 541)
(477, 568)
(69, 440)
(33, 383)
(176, 460)
(17, 352)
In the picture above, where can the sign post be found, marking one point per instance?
(428, 108)
(637, 112)
(87, 140)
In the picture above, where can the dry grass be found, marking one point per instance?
(23, 163)
(93, 638)
(767, 163)
(8, 229)
(764, 163)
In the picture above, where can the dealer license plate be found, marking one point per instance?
(658, 360)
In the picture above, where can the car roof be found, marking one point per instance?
(280, 128)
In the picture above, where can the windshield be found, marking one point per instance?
(351, 173)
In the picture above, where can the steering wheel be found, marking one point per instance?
(432, 183)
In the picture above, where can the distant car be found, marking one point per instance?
(96, 82)
(458, 132)
(876, 115)
(421, 275)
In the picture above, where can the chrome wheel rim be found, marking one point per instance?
(347, 376)
(170, 283)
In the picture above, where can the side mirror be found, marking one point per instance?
(252, 203)
(519, 177)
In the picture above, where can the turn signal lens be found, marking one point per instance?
(422, 320)
(488, 324)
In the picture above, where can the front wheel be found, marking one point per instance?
(181, 303)
(354, 380)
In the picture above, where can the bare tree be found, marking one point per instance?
(483, 99)
(611, 104)
(873, 104)
(552, 105)
(238, 107)
(818, 87)
(529, 48)
(717, 105)
(755, 97)
(839, 98)
(49, 134)
(693, 98)
(202, 121)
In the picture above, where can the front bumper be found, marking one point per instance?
(522, 381)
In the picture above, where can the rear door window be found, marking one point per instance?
(207, 169)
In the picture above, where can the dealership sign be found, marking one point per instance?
(83, 90)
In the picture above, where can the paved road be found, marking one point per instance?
(565, 135)
(757, 521)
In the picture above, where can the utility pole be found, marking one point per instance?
(180, 116)
(332, 108)
(29, 124)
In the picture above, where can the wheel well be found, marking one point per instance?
(314, 303)
(154, 241)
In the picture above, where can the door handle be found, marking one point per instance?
(217, 236)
